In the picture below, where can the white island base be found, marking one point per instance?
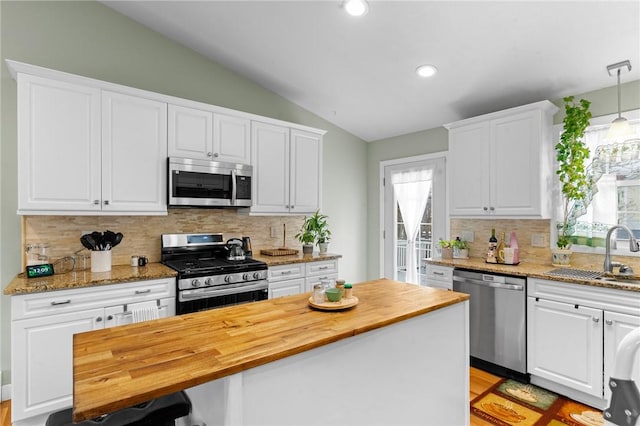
(414, 372)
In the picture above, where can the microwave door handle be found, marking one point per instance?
(233, 187)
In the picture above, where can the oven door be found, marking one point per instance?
(203, 299)
(208, 183)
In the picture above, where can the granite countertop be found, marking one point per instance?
(76, 279)
(123, 366)
(531, 270)
(295, 258)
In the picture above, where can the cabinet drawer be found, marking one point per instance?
(439, 273)
(38, 304)
(322, 268)
(286, 288)
(286, 272)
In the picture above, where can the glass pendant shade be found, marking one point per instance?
(620, 129)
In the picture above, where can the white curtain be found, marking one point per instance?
(411, 189)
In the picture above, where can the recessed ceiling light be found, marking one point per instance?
(356, 7)
(426, 70)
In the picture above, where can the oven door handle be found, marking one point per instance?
(225, 290)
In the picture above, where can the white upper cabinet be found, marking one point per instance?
(231, 139)
(190, 133)
(82, 150)
(134, 154)
(58, 145)
(205, 135)
(500, 164)
(286, 169)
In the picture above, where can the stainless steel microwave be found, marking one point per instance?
(201, 183)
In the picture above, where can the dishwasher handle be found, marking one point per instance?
(505, 286)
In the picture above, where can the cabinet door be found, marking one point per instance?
(42, 360)
(306, 172)
(134, 154)
(565, 344)
(515, 159)
(470, 167)
(270, 159)
(58, 146)
(190, 133)
(231, 139)
(286, 288)
(616, 327)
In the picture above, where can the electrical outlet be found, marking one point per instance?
(538, 240)
(467, 236)
(274, 232)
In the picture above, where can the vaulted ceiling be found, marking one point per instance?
(358, 73)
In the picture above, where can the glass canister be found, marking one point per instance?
(37, 254)
(318, 293)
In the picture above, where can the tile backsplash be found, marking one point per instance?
(525, 229)
(142, 233)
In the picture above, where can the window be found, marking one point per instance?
(614, 196)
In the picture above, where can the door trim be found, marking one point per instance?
(394, 162)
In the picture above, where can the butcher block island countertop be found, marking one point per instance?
(123, 366)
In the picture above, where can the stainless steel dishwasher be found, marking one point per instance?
(497, 321)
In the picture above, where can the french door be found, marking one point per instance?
(413, 215)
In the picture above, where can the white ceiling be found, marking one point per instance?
(358, 73)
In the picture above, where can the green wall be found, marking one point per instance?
(89, 39)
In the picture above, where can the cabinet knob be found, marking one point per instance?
(216, 155)
(608, 322)
(106, 202)
(96, 202)
(99, 319)
(492, 208)
(596, 319)
(209, 154)
(293, 207)
(485, 208)
(110, 318)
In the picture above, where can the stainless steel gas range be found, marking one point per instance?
(209, 276)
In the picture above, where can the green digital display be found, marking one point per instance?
(35, 271)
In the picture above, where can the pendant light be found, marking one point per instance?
(620, 127)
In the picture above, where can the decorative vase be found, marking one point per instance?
(561, 257)
(323, 247)
(447, 252)
(307, 249)
(460, 253)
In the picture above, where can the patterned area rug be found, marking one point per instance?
(512, 403)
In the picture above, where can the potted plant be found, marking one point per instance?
(460, 248)
(571, 154)
(447, 248)
(314, 229)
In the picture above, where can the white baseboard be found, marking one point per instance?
(5, 392)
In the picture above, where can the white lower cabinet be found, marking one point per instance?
(297, 278)
(572, 336)
(566, 344)
(439, 276)
(42, 329)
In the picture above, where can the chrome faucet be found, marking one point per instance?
(633, 246)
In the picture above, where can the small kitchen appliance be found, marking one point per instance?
(201, 183)
(208, 276)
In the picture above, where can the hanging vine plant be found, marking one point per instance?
(572, 153)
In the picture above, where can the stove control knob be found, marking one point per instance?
(227, 279)
(208, 281)
(195, 283)
(246, 277)
(256, 275)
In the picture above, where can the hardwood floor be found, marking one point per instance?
(5, 413)
(479, 382)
